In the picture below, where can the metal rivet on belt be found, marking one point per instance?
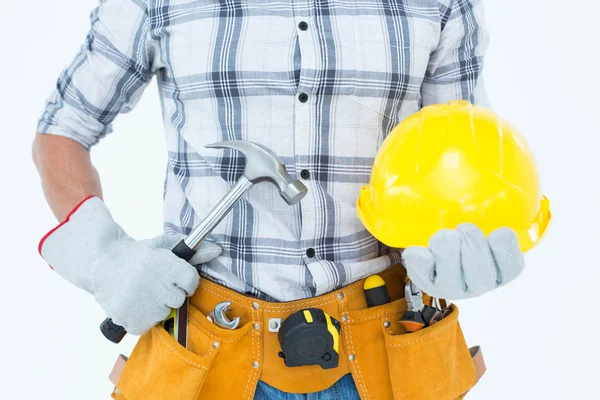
(344, 318)
(255, 305)
(340, 295)
(351, 357)
(256, 326)
(387, 324)
(274, 324)
(216, 345)
(255, 364)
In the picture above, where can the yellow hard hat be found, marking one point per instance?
(449, 164)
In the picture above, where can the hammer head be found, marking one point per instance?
(264, 165)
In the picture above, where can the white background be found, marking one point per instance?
(539, 334)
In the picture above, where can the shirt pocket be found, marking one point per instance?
(393, 49)
(217, 49)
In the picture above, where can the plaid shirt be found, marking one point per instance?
(321, 83)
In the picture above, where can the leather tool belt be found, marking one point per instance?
(385, 361)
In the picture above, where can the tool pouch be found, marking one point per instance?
(160, 368)
(431, 364)
(385, 362)
(427, 355)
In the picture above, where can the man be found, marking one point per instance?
(321, 83)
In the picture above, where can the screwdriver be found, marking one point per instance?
(376, 292)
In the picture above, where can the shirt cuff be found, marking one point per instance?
(63, 119)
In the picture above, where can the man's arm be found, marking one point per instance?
(66, 171)
(106, 78)
(469, 262)
(136, 283)
(455, 67)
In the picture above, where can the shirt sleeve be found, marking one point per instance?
(107, 77)
(455, 67)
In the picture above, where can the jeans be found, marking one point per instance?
(344, 389)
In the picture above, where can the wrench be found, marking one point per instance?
(219, 318)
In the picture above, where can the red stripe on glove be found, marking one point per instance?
(47, 235)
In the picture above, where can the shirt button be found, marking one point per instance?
(303, 97)
(310, 253)
(303, 26)
(304, 174)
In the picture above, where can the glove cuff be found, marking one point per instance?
(57, 227)
(73, 245)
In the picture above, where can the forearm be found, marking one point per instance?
(66, 172)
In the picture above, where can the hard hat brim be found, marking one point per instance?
(401, 236)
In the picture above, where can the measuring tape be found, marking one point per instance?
(310, 337)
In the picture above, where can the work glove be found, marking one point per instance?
(135, 282)
(462, 263)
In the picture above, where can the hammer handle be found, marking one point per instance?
(217, 213)
(115, 333)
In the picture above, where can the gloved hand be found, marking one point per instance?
(462, 263)
(135, 282)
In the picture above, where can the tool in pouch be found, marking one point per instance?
(218, 316)
(261, 165)
(418, 315)
(312, 337)
(376, 293)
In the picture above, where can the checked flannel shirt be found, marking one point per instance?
(320, 82)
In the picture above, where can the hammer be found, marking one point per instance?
(261, 165)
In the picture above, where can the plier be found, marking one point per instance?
(418, 315)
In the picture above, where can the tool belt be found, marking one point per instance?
(385, 361)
